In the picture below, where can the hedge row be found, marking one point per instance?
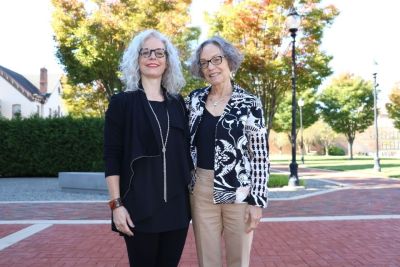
(336, 151)
(43, 147)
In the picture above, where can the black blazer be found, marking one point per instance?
(130, 133)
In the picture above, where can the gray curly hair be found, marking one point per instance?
(232, 55)
(172, 79)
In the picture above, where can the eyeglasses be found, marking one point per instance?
(214, 60)
(158, 52)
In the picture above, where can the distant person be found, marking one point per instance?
(229, 150)
(146, 152)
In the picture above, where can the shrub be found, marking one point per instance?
(45, 146)
(336, 151)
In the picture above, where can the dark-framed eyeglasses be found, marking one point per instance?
(214, 60)
(158, 52)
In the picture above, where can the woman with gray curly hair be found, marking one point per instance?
(229, 150)
(146, 153)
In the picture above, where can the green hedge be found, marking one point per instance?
(43, 147)
(336, 151)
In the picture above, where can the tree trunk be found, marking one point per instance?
(326, 147)
(351, 148)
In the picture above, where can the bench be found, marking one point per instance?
(82, 182)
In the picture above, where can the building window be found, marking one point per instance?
(50, 112)
(16, 110)
(58, 111)
(0, 107)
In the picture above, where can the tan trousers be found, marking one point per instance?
(213, 221)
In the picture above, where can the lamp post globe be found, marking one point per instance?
(293, 21)
(292, 24)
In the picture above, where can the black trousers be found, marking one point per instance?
(156, 249)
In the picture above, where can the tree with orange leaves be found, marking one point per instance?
(258, 29)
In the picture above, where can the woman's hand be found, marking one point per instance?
(122, 220)
(253, 215)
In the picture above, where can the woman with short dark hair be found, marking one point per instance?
(229, 150)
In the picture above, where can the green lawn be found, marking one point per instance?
(389, 166)
(280, 180)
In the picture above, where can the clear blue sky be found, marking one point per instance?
(366, 30)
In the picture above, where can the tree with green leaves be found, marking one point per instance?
(92, 35)
(393, 107)
(83, 100)
(347, 106)
(283, 117)
(257, 28)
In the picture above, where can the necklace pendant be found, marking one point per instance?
(163, 150)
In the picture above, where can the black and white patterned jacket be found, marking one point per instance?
(241, 158)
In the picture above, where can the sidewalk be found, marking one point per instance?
(357, 224)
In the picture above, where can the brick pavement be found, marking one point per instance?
(341, 202)
(339, 242)
(8, 229)
(54, 211)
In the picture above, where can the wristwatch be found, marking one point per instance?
(115, 203)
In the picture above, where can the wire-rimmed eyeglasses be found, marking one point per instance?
(214, 60)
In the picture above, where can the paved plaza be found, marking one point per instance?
(340, 219)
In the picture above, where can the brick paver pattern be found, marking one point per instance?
(297, 243)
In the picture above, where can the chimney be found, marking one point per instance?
(43, 80)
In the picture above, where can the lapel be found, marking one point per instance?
(232, 101)
(203, 99)
(150, 116)
(236, 95)
(169, 100)
(202, 104)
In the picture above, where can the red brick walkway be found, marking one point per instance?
(8, 229)
(351, 242)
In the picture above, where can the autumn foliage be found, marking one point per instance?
(258, 29)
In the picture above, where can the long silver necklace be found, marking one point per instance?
(164, 147)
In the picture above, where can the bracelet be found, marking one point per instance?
(115, 203)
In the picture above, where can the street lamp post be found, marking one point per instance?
(377, 165)
(293, 23)
(301, 104)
